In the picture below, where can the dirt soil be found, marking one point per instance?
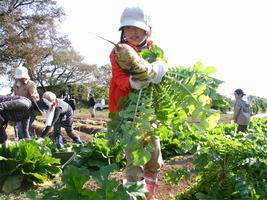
(86, 126)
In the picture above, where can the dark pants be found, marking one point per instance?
(3, 135)
(69, 129)
(242, 128)
(21, 132)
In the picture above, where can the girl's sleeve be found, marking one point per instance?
(120, 77)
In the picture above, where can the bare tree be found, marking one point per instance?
(64, 67)
(27, 32)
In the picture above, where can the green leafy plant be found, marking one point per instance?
(183, 94)
(98, 153)
(26, 162)
(73, 186)
(230, 165)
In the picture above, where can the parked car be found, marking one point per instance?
(101, 104)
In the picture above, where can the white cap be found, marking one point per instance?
(135, 16)
(21, 72)
(50, 97)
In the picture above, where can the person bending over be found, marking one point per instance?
(58, 114)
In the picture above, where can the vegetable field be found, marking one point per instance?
(233, 163)
(204, 159)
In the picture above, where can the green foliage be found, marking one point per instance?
(183, 140)
(163, 109)
(259, 105)
(230, 165)
(79, 91)
(96, 82)
(156, 54)
(26, 162)
(222, 103)
(185, 93)
(134, 126)
(100, 91)
(74, 179)
(175, 176)
(98, 153)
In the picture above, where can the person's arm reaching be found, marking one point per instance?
(50, 125)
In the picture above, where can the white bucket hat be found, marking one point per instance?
(135, 16)
(21, 72)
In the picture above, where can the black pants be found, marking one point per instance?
(69, 129)
(242, 128)
(3, 135)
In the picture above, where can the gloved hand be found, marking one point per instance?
(153, 72)
(131, 62)
(145, 73)
(160, 68)
(40, 140)
(136, 84)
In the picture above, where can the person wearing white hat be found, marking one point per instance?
(136, 31)
(25, 87)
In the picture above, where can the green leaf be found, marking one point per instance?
(136, 189)
(198, 66)
(12, 183)
(209, 70)
(101, 177)
(75, 177)
(141, 156)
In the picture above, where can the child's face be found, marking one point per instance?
(134, 35)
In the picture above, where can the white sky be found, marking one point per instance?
(228, 34)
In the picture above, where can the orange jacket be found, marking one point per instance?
(119, 84)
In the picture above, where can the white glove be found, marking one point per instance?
(160, 69)
(136, 84)
(39, 140)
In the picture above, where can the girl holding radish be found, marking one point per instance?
(131, 71)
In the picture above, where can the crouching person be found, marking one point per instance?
(15, 109)
(58, 114)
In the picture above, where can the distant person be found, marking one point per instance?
(25, 87)
(72, 102)
(91, 105)
(58, 114)
(16, 109)
(66, 96)
(242, 111)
